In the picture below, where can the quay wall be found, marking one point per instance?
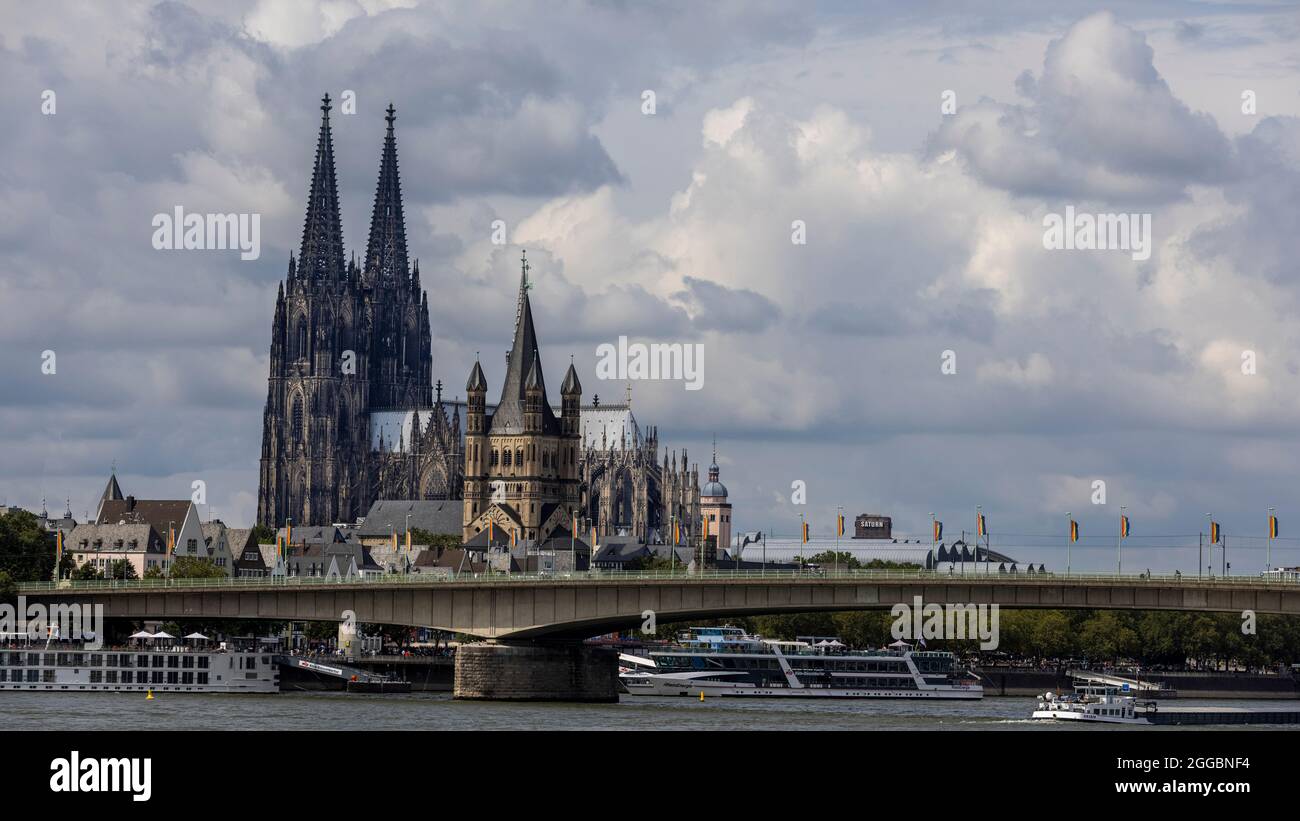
(1002, 681)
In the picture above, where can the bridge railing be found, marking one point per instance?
(627, 576)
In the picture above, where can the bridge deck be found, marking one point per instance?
(530, 606)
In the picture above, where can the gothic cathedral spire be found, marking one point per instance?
(386, 251)
(322, 232)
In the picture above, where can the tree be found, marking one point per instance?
(1053, 635)
(1104, 636)
(8, 590)
(87, 572)
(263, 534)
(437, 541)
(830, 558)
(26, 550)
(192, 567)
(321, 630)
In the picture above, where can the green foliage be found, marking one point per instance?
(829, 558)
(26, 550)
(8, 589)
(263, 534)
(192, 567)
(438, 541)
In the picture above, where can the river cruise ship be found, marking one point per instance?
(61, 667)
(726, 661)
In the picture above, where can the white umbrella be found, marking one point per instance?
(163, 634)
(142, 634)
(198, 637)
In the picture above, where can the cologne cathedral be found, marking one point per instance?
(352, 414)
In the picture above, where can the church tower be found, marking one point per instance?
(525, 478)
(395, 305)
(345, 340)
(315, 406)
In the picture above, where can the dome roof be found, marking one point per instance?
(714, 488)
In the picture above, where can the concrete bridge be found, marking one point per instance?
(530, 607)
(535, 623)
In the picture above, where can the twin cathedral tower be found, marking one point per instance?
(352, 414)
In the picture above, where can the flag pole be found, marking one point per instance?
(1119, 561)
(1268, 560)
(1069, 541)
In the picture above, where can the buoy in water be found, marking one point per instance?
(149, 695)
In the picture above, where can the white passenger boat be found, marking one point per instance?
(1091, 704)
(63, 667)
(726, 661)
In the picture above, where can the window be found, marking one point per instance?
(506, 458)
(295, 431)
(192, 543)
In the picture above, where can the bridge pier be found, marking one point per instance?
(536, 672)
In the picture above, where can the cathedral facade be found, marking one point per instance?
(347, 340)
(352, 414)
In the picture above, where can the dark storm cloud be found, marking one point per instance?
(719, 308)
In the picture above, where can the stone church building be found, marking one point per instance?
(352, 414)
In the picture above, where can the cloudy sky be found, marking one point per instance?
(924, 234)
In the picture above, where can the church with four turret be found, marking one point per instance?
(353, 416)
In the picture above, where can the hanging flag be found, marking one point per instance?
(593, 537)
(805, 533)
(394, 540)
(513, 533)
(706, 526)
(839, 525)
(1123, 527)
(288, 534)
(1214, 532)
(980, 525)
(1272, 527)
(938, 530)
(58, 553)
(677, 532)
(491, 533)
(408, 540)
(279, 546)
(1074, 531)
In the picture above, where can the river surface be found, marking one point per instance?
(437, 711)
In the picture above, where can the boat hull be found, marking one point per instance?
(660, 686)
(1084, 718)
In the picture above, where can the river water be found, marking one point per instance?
(437, 711)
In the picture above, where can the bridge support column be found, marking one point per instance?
(536, 672)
